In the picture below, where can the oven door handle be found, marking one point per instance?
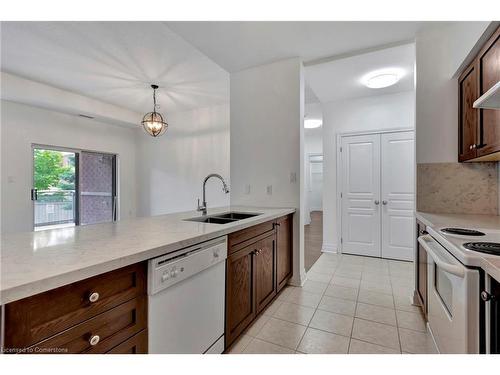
(426, 242)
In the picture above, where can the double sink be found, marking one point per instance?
(223, 218)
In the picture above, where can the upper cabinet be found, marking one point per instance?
(479, 129)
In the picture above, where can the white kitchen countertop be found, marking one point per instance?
(34, 262)
(488, 223)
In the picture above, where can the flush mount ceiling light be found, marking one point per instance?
(153, 122)
(312, 123)
(382, 78)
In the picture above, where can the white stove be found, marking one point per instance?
(454, 243)
(454, 285)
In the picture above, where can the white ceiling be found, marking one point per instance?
(239, 45)
(341, 79)
(115, 62)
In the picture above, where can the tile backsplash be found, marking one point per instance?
(458, 188)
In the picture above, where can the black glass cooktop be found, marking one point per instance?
(462, 231)
(484, 247)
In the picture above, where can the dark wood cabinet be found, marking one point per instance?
(468, 117)
(89, 316)
(240, 292)
(488, 62)
(259, 261)
(284, 250)
(479, 129)
(137, 344)
(265, 272)
(421, 270)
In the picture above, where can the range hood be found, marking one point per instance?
(490, 99)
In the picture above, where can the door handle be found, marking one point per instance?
(377, 202)
(114, 208)
(426, 241)
(34, 194)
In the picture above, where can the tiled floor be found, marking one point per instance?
(349, 304)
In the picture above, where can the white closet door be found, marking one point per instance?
(361, 194)
(398, 195)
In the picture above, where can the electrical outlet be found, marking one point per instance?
(293, 177)
(269, 189)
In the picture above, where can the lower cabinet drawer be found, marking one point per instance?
(137, 344)
(33, 319)
(101, 333)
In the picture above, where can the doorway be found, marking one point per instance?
(72, 187)
(313, 230)
(377, 194)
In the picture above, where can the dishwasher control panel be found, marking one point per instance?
(167, 270)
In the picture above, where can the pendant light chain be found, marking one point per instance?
(154, 99)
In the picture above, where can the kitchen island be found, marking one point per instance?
(90, 289)
(34, 262)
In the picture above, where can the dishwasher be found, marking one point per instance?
(187, 300)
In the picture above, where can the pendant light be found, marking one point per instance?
(153, 122)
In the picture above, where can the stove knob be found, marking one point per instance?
(485, 296)
(165, 277)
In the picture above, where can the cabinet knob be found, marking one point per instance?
(384, 202)
(470, 147)
(474, 146)
(93, 297)
(94, 340)
(377, 202)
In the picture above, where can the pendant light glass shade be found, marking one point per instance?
(153, 122)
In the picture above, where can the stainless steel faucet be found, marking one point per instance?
(225, 189)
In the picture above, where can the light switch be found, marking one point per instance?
(269, 189)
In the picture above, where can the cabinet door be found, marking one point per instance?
(240, 292)
(284, 253)
(421, 274)
(489, 119)
(265, 271)
(468, 117)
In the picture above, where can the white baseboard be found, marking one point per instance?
(300, 280)
(329, 248)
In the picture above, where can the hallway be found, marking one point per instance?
(313, 239)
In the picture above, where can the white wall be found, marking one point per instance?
(440, 51)
(23, 125)
(266, 124)
(172, 167)
(363, 114)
